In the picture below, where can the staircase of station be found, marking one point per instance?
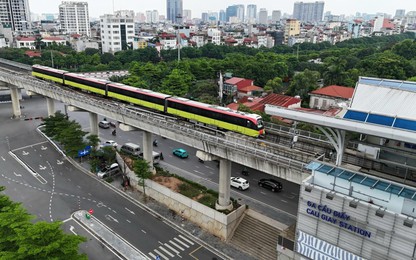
(257, 235)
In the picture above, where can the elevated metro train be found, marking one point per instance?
(220, 117)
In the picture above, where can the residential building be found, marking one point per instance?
(330, 97)
(263, 16)
(174, 11)
(16, 13)
(232, 85)
(308, 12)
(276, 16)
(240, 13)
(74, 18)
(251, 13)
(117, 31)
(152, 16)
(29, 42)
(168, 41)
(139, 42)
(214, 36)
(259, 103)
(292, 28)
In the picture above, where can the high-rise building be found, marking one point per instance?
(174, 10)
(204, 17)
(16, 14)
(292, 28)
(263, 15)
(236, 11)
(308, 12)
(251, 13)
(400, 13)
(276, 16)
(187, 15)
(74, 18)
(222, 16)
(240, 13)
(152, 16)
(117, 31)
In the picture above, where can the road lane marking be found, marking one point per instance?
(4, 159)
(128, 220)
(171, 248)
(152, 255)
(284, 201)
(166, 251)
(144, 231)
(173, 243)
(66, 220)
(179, 241)
(18, 175)
(71, 228)
(131, 211)
(160, 254)
(187, 240)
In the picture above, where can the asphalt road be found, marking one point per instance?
(57, 189)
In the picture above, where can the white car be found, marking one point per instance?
(110, 143)
(239, 183)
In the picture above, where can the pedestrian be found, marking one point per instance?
(161, 156)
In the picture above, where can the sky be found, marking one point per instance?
(347, 7)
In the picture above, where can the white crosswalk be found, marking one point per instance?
(171, 249)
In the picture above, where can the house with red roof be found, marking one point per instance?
(248, 91)
(258, 103)
(29, 41)
(234, 85)
(329, 97)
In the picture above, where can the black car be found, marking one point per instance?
(271, 184)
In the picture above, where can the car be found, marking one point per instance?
(104, 124)
(109, 171)
(181, 153)
(271, 184)
(239, 183)
(110, 143)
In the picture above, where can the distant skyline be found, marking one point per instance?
(347, 7)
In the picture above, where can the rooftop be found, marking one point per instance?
(335, 91)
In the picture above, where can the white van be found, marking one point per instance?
(131, 149)
(156, 157)
(109, 171)
(104, 124)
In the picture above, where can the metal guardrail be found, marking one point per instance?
(238, 145)
(299, 132)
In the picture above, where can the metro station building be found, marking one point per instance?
(352, 212)
(345, 214)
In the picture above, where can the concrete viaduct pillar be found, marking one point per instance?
(224, 202)
(148, 148)
(93, 123)
(14, 93)
(51, 106)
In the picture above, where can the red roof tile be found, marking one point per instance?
(250, 88)
(233, 80)
(32, 54)
(335, 91)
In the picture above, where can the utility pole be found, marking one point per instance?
(52, 58)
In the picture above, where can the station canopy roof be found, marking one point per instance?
(390, 103)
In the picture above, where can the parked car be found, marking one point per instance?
(181, 153)
(109, 171)
(104, 124)
(239, 183)
(110, 143)
(271, 184)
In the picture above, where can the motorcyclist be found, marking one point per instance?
(155, 142)
(245, 171)
(114, 132)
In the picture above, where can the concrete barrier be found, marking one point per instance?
(211, 220)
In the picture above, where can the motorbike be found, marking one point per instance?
(155, 143)
(245, 172)
(114, 132)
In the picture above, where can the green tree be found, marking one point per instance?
(274, 85)
(303, 83)
(142, 170)
(334, 74)
(406, 49)
(93, 141)
(176, 83)
(22, 239)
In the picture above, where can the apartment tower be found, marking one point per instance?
(74, 18)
